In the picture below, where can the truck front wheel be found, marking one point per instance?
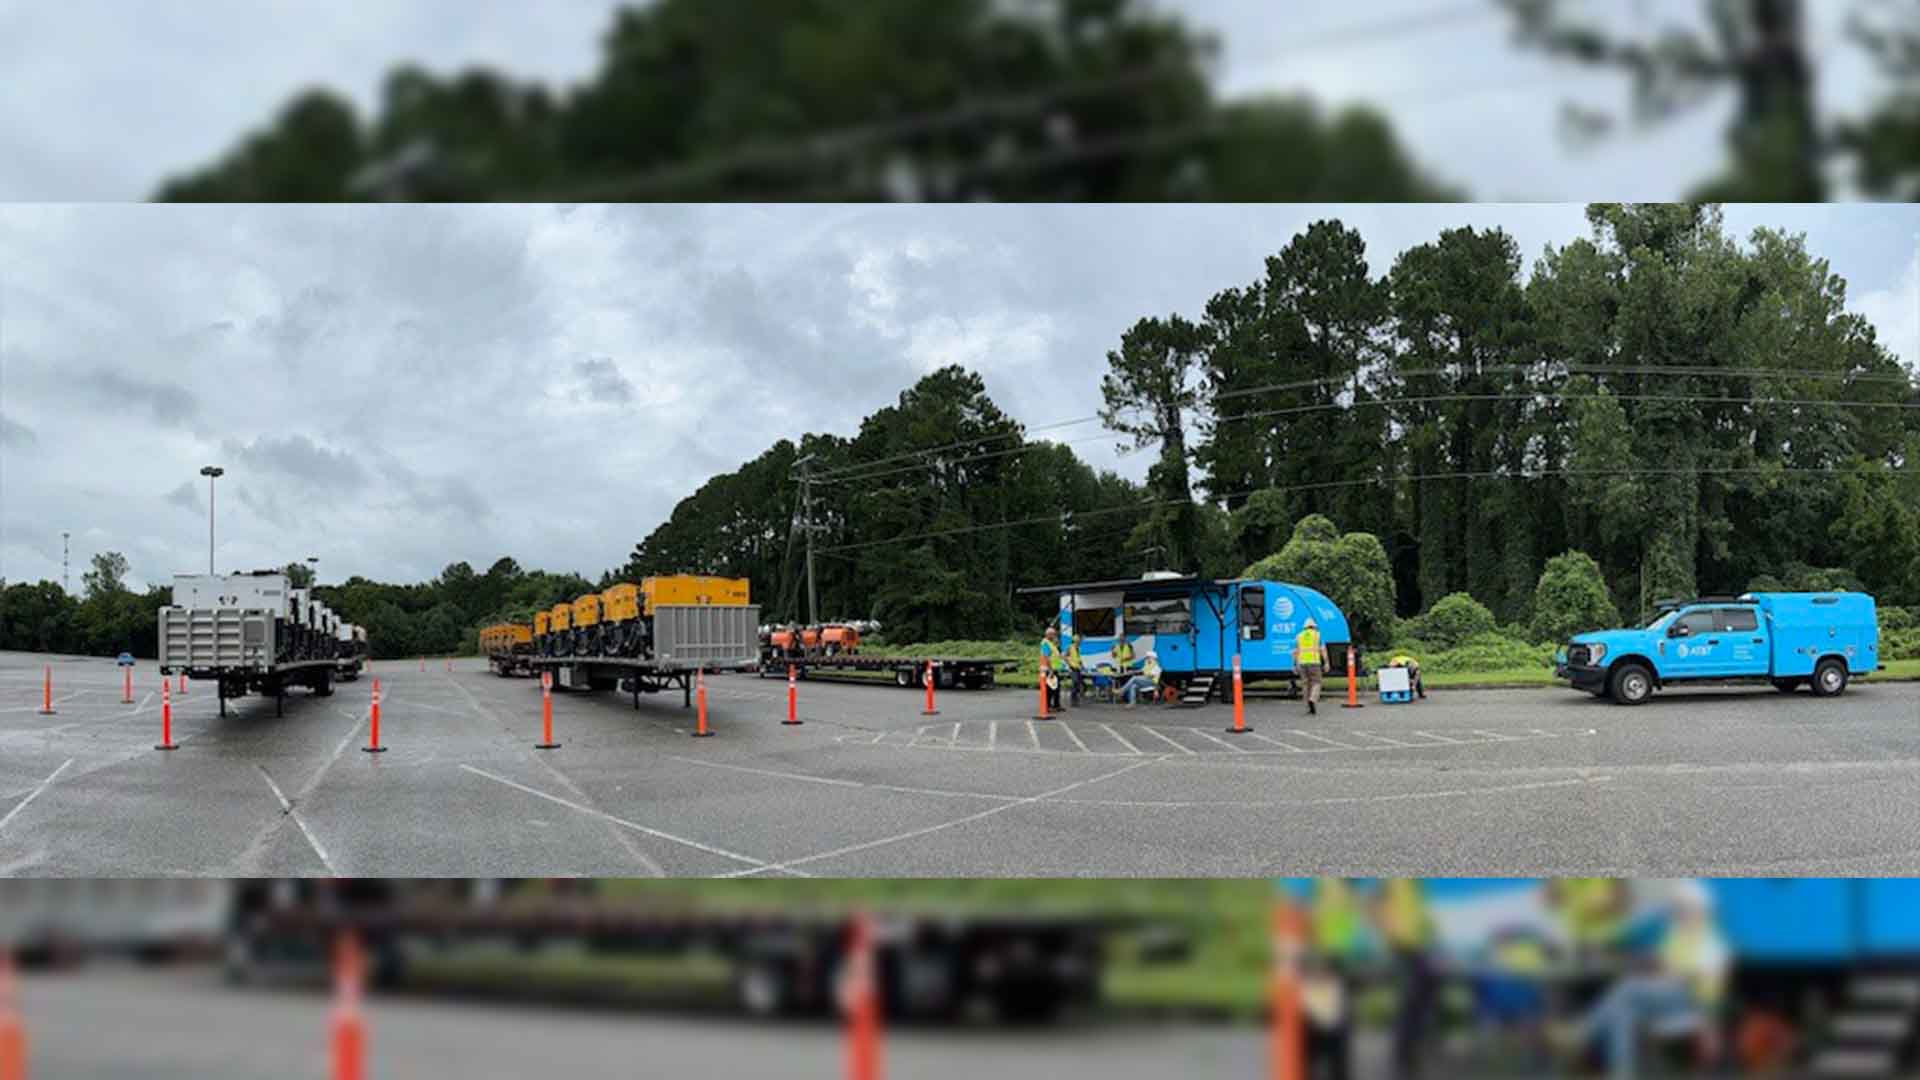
(1631, 684)
(1829, 677)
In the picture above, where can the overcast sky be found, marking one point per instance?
(394, 388)
(103, 98)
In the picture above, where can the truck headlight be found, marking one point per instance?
(1595, 652)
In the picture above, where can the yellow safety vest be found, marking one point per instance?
(1073, 654)
(1336, 918)
(1403, 916)
(1683, 954)
(1050, 658)
(1591, 909)
(1122, 654)
(1306, 647)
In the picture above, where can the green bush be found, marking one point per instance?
(1900, 644)
(1352, 570)
(1487, 651)
(1570, 598)
(1897, 618)
(1454, 619)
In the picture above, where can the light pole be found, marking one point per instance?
(313, 569)
(210, 472)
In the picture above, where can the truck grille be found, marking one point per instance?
(1578, 655)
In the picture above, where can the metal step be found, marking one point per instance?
(1854, 1062)
(1891, 991)
(1197, 690)
(1885, 1028)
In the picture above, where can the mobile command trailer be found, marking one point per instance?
(1820, 640)
(1836, 959)
(682, 639)
(240, 631)
(1195, 626)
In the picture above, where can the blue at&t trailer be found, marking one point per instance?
(1195, 626)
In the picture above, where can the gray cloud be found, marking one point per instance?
(169, 404)
(187, 497)
(297, 457)
(15, 434)
(601, 381)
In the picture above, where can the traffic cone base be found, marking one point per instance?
(373, 749)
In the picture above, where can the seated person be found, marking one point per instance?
(1681, 994)
(1148, 681)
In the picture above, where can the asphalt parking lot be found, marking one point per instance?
(116, 1023)
(1709, 781)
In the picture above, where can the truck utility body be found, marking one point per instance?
(1820, 640)
(949, 672)
(783, 962)
(254, 632)
(1196, 626)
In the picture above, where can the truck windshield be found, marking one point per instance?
(1659, 620)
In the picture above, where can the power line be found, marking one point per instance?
(1069, 516)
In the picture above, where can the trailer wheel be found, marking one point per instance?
(1829, 677)
(764, 989)
(903, 677)
(1786, 686)
(1631, 684)
(323, 686)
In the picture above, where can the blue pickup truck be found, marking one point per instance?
(1819, 640)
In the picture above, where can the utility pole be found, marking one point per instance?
(804, 470)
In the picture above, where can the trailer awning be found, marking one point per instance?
(1129, 586)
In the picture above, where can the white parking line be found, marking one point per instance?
(1068, 728)
(954, 739)
(1182, 747)
(837, 782)
(1033, 735)
(34, 794)
(852, 849)
(1383, 739)
(1277, 742)
(1321, 738)
(1442, 738)
(757, 864)
(287, 809)
(1215, 738)
(993, 733)
(1121, 739)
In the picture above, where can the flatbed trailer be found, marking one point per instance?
(781, 961)
(270, 680)
(949, 672)
(627, 675)
(511, 664)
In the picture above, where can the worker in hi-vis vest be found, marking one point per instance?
(1053, 665)
(1310, 660)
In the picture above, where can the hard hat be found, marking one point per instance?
(1691, 895)
(1310, 622)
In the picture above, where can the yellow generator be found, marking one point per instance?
(622, 632)
(540, 643)
(560, 629)
(692, 589)
(586, 625)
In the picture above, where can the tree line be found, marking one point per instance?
(1688, 411)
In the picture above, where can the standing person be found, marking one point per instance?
(1075, 670)
(1310, 660)
(1337, 926)
(1051, 661)
(1407, 928)
(1122, 656)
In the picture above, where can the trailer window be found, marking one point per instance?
(1160, 616)
(1093, 622)
(1734, 619)
(1253, 613)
